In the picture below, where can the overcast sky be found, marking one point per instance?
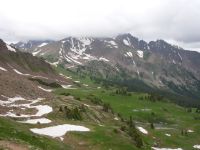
(177, 21)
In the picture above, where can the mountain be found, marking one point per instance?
(31, 45)
(128, 61)
(22, 74)
(82, 104)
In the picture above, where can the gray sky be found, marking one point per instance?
(177, 21)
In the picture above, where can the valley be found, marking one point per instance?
(48, 105)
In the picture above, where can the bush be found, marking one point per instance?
(52, 84)
(65, 94)
(115, 130)
(107, 107)
(73, 113)
(123, 128)
(152, 126)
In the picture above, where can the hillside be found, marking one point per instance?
(86, 115)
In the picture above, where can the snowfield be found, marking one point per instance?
(141, 129)
(59, 130)
(35, 121)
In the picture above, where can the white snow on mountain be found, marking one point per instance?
(36, 52)
(10, 48)
(126, 42)
(196, 146)
(3, 69)
(46, 90)
(59, 130)
(104, 59)
(43, 44)
(18, 72)
(129, 54)
(141, 129)
(140, 53)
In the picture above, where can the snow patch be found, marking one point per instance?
(53, 63)
(59, 130)
(180, 56)
(10, 100)
(43, 44)
(116, 118)
(42, 110)
(46, 90)
(67, 87)
(129, 54)
(65, 76)
(18, 72)
(190, 131)
(85, 41)
(126, 42)
(140, 53)
(36, 52)
(104, 59)
(85, 85)
(168, 134)
(112, 44)
(3, 69)
(141, 129)
(10, 48)
(39, 77)
(196, 146)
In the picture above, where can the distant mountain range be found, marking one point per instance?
(127, 61)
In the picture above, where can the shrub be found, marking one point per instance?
(65, 94)
(152, 126)
(73, 113)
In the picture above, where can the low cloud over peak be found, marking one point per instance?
(172, 20)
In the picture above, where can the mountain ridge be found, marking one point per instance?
(157, 63)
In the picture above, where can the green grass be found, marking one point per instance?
(13, 131)
(162, 113)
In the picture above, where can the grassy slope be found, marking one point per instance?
(12, 131)
(102, 137)
(163, 114)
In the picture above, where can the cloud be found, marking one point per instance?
(175, 20)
